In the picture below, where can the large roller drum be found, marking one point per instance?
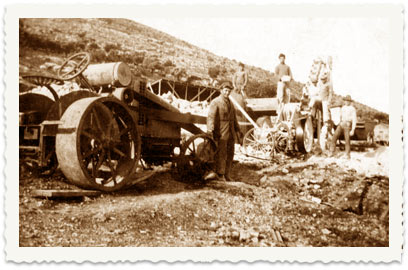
(97, 145)
(116, 74)
(65, 101)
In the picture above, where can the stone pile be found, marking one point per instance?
(185, 106)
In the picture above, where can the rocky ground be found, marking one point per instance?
(298, 201)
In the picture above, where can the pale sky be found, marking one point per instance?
(358, 46)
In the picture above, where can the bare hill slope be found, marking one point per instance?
(150, 53)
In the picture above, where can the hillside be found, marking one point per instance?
(150, 53)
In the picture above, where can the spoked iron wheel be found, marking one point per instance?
(97, 145)
(259, 143)
(197, 156)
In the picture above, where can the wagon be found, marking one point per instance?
(381, 134)
(103, 134)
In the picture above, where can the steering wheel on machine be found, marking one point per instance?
(74, 66)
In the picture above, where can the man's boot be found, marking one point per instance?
(211, 176)
(222, 178)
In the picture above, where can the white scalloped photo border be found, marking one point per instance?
(392, 12)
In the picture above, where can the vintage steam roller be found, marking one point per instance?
(103, 132)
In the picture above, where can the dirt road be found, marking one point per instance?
(304, 201)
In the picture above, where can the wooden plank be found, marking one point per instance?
(53, 193)
(52, 122)
(176, 117)
(192, 128)
(262, 104)
(158, 100)
(161, 129)
(155, 99)
(137, 178)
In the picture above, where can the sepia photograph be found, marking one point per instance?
(208, 131)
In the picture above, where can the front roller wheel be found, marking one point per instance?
(97, 145)
(197, 156)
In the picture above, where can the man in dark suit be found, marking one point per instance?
(222, 126)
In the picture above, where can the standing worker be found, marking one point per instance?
(282, 69)
(284, 75)
(222, 126)
(240, 80)
(348, 121)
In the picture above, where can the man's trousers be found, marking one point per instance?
(344, 127)
(224, 156)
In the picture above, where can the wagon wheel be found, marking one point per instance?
(197, 156)
(98, 145)
(304, 135)
(74, 66)
(259, 143)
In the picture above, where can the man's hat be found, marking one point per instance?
(347, 98)
(226, 84)
(282, 55)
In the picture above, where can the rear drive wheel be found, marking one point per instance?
(97, 145)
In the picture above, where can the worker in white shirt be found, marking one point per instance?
(284, 76)
(348, 121)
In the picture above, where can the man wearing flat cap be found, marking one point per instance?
(348, 121)
(222, 126)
